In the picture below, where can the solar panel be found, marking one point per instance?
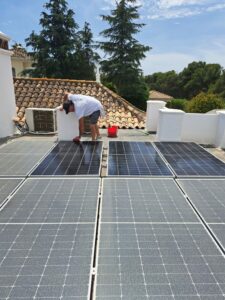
(53, 201)
(189, 159)
(158, 261)
(219, 230)
(69, 158)
(144, 200)
(208, 196)
(40, 261)
(19, 157)
(7, 186)
(135, 159)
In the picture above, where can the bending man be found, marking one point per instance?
(84, 106)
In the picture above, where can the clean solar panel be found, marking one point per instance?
(135, 159)
(69, 158)
(189, 159)
(40, 261)
(144, 200)
(158, 261)
(53, 201)
(19, 157)
(208, 196)
(7, 186)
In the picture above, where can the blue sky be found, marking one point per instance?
(179, 31)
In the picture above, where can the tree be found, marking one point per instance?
(122, 68)
(205, 102)
(85, 54)
(54, 47)
(198, 77)
(219, 86)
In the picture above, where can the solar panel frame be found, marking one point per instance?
(136, 162)
(21, 161)
(207, 170)
(9, 190)
(65, 156)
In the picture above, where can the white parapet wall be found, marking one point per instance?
(220, 137)
(170, 123)
(7, 96)
(153, 107)
(200, 128)
(67, 124)
(176, 125)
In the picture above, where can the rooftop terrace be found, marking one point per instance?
(123, 218)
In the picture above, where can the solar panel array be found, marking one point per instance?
(69, 158)
(151, 243)
(208, 196)
(17, 158)
(135, 159)
(189, 159)
(47, 239)
(169, 255)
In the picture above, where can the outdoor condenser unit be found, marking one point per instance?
(41, 120)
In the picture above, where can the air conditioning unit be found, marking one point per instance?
(41, 120)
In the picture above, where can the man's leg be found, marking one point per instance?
(98, 135)
(81, 126)
(93, 132)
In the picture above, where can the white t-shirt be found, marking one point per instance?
(85, 105)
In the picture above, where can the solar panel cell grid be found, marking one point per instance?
(208, 196)
(135, 159)
(143, 261)
(189, 159)
(45, 261)
(144, 200)
(68, 158)
(53, 200)
(6, 187)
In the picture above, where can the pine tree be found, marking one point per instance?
(85, 55)
(122, 67)
(54, 47)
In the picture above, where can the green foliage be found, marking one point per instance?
(85, 55)
(59, 51)
(177, 104)
(205, 102)
(137, 93)
(122, 66)
(167, 83)
(197, 77)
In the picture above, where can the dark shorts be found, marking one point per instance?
(94, 117)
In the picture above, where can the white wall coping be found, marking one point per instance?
(171, 111)
(156, 101)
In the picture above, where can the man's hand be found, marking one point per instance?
(76, 139)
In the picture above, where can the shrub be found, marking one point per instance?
(205, 102)
(177, 104)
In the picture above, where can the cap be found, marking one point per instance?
(66, 106)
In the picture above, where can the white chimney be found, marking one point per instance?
(7, 95)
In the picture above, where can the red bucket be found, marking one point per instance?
(112, 131)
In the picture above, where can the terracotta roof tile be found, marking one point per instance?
(155, 95)
(48, 93)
